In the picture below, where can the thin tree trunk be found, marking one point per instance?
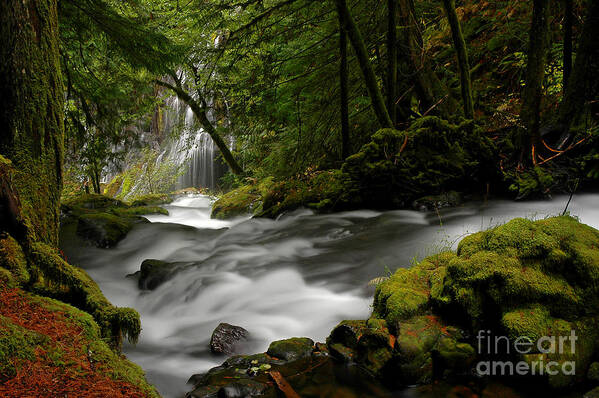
(31, 115)
(392, 59)
(344, 88)
(462, 54)
(433, 95)
(583, 86)
(568, 48)
(200, 114)
(535, 74)
(376, 97)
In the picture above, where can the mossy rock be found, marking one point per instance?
(523, 278)
(102, 220)
(291, 349)
(104, 229)
(152, 200)
(431, 157)
(244, 200)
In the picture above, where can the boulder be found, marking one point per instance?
(103, 229)
(291, 349)
(225, 337)
(153, 273)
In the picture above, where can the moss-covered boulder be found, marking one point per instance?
(244, 200)
(525, 279)
(291, 349)
(431, 157)
(105, 221)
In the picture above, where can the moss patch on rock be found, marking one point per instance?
(103, 220)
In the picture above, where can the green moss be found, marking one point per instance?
(246, 199)
(13, 259)
(523, 278)
(431, 157)
(16, 344)
(139, 211)
(152, 200)
(291, 349)
(74, 286)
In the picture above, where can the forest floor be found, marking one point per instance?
(48, 349)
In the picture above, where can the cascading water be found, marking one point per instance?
(296, 276)
(193, 149)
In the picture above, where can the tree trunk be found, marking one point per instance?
(200, 114)
(568, 48)
(433, 95)
(344, 88)
(31, 113)
(376, 97)
(583, 86)
(392, 59)
(462, 54)
(535, 74)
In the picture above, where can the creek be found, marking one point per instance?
(298, 275)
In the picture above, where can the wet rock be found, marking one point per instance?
(154, 273)
(435, 202)
(225, 337)
(291, 349)
(103, 229)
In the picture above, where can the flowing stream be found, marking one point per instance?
(296, 276)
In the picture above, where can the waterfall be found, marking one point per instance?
(193, 148)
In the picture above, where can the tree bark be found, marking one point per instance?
(376, 97)
(31, 112)
(344, 88)
(392, 59)
(462, 55)
(535, 74)
(200, 114)
(433, 95)
(583, 86)
(568, 47)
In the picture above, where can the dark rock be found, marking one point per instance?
(435, 202)
(225, 337)
(291, 349)
(103, 229)
(154, 273)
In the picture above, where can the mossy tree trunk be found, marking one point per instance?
(392, 59)
(462, 54)
(198, 108)
(344, 89)
(31, 112)
(535, 74)
(583, 86)
(433, 95)
(376, 97)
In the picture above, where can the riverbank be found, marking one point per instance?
(298, 276)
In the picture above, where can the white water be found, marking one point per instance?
(298, 276)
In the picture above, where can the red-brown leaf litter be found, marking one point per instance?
(43, 377)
